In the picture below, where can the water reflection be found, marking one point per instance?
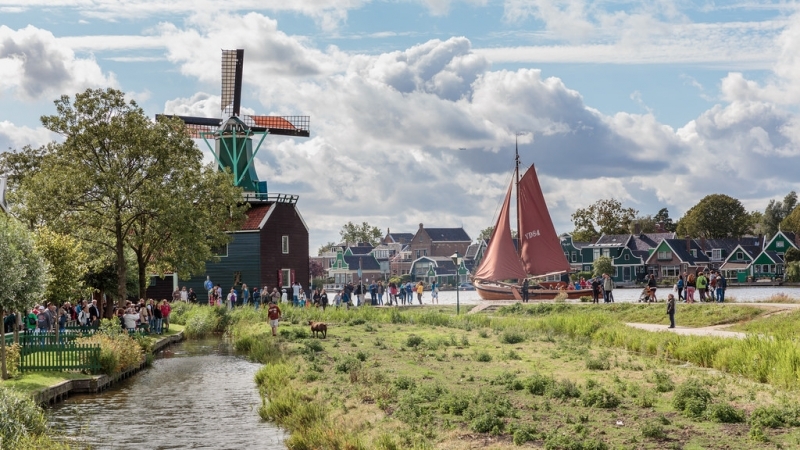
(198, 394)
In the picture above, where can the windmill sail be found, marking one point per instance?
(500, 261)
(232, 65)
(540, 249)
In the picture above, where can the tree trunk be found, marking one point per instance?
(142, 266)
(122, 268)
(3, 371)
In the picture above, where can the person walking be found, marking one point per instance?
(274, 315)
(671, 310)
(525, 290)
(679, 287)
(702, 285)
(596, 290)
(231, 299)
(420, 289)
(256, 297)
(245, 294)
(722, 284)
(434, 292)
(652, 286)
(608, 286)
(691, 285)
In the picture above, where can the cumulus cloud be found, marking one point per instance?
(34, 64)
(15, 137)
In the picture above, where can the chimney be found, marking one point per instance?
(659, 227)
(760, 242)
(703, 244)
(688, 244)
(420, 225)
(637, 228)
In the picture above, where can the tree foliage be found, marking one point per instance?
(792, 221)
(643, 224)
(776, 212)
(23, 272)
(326, 248)
(601, 265)
(792, 255)
(486, 233)
(68, 263)
(119, 179)
(315, 269)
(352, 233)
(605, 216)
(715, 216)
(662, 217)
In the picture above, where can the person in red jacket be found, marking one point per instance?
(165, 310)
(274, 314)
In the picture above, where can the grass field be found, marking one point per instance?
(544, 376)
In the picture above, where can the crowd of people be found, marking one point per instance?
(709, 285)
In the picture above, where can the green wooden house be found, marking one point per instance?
(769, 263)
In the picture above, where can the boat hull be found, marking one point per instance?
(491, 292)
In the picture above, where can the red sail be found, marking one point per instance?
(541, 250)
(500, 260)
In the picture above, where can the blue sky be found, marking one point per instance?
(656, 104)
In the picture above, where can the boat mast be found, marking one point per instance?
(516, 185)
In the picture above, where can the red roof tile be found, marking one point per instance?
(254, 216)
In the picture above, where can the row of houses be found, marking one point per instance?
(667, 256)
(424, 255)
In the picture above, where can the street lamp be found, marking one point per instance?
(457, 261)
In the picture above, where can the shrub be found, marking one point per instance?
(414, 341)
(653, 431)
(691, 398)
(313, 346)
(538, 384)
(663, 381)
(523, 434)
(347, 365)
(724, 413)
(599, 363)
(563, 390)
(455, 404)
(118, 351)
(21, 418)
(404, 383)
(201, 321)
(600, 398)
(483, 357)
(511, 337)
(486, 423)
(12, 360)
(558, 441)
(361, 356)
(768, 417)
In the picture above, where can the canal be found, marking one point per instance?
(198, 394)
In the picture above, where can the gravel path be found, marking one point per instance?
(717, 330)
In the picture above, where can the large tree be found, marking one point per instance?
(605, 216)
(114, 168)
(776, 212)
(352, 233)
(662, 217)
(23, 274)
(486, 233)
(715, 216)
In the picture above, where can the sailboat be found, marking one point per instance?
(537, 254)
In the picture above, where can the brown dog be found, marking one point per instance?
(318, 328)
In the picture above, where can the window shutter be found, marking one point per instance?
(280, 278)
(293, 278)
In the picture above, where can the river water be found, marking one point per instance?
(628, 295)
(198, 395)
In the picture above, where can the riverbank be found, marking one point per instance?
(556, 376)
(47, 388)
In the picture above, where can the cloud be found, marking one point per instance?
(34, 64)
(15, 137)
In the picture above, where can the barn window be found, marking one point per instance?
(285, 244)
(287, 277)
(221, 251)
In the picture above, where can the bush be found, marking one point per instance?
(599, 363)
(538, 384)
(414, 341)
(724, 413)
(12, 360)
(347, 365)
(653, 431)
(511, 337)
(404, 383)
(486, 423)
(483, 357)
(563, 390)
(118, 351)
(600, 398)
(21, 418)
(691, 398)
(770, 417)
(663, 381)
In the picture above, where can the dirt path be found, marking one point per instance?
(716, 330)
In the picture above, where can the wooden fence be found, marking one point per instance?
(60, 357)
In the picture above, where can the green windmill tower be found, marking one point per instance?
(233, 138)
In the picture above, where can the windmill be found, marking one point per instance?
(233, 137)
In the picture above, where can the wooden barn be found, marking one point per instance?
(271, 249)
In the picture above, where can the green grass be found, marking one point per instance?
(374, 390)
(782, 323)
(32, 382)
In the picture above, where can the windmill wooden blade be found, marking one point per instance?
(283, 125)
(197, 125)
(232, 65)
